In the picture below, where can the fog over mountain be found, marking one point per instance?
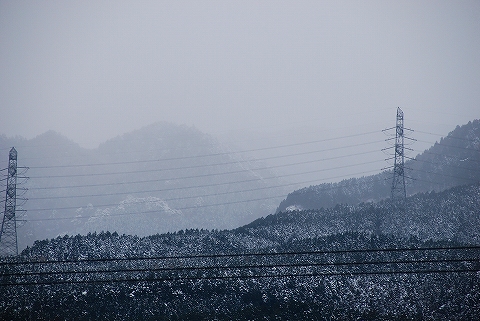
(160, 178)
(93, 70)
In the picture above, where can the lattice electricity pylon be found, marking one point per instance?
(398, 190)
(8, 233)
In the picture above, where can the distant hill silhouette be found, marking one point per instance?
(453, 161)
(163, 177)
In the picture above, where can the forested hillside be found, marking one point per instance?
(453, 161)
(453, 214)
(374, 261)
(327, 281)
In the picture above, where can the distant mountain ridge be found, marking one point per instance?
(163, 177)
(453, 161)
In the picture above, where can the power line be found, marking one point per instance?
(235, 267)
(205, 165)
(179, 208)
(228, 203)
(211, 174)
(195, 186)
(446, 175)
(233, 152)
(167, 136)
(446, 145)
(252, 254)
(181, 188)
(205, 195)
(208, 205)
(445, 137)
(186, 167)
(231, 277)
(446, 155)
(178, 178)
(224, 173)
(71, 143)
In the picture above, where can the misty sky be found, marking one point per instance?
(92, 70)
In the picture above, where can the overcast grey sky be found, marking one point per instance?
(92, 70)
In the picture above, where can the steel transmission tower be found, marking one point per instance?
(8, 233)
(399, 191)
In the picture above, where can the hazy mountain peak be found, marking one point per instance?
(52, 138)
(160, 135)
